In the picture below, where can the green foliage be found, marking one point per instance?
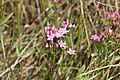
(5, 19)
(81, 70)
(28, 53)
(24, 47)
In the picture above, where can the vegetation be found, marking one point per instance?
(59, 40)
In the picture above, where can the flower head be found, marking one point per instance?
(117, 35)
(46, 29)
(46, 45)
(58, 34)
(65, 24)
(50, 36)
(109, 17)
(95, 38)
(116, 23)
(102, 36)
(56, 45)
(72, 26)
(103, 8)
(53, 29)
(119, 40)
(63, 31)
(70, 51)
(61, 44)
(108, 27)
(55, 1)
(116, 29)
(49, 64)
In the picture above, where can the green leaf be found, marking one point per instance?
(84, 78)
(50, 4)
(5, 19)
(43, 24)
(72, 38)
(27, 53)
(82, 69)
(67, 71)
(105, 50)
(116, 58)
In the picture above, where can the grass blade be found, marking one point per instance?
(5, 19)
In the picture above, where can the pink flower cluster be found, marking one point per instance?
(113, 32)
(111, 29)
(54, 36)
(97, 38)
(114, 17)
(109, 32)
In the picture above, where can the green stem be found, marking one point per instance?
(72, 38)
(1, 10)
(18, 22)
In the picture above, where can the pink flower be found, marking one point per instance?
(51, 42)
(72, 26)
(55, 1)
(102, 36)
(58, 34)
(46, 45)
(70, 51)
(117, 15)
(46, 29)
(63, 31)
(62, 44)
(117, 35)
(95, 38)
(49, 64)
(53, 10)
(116, 23)
(50, 36)
(108, 27)
(108, 16)
(56, 45)
(103, 8)
(116, 29)
(113, 16)
(65, 24)
(53, 29)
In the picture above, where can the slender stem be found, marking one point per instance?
(1, 10)
(18, 22)
(84, 22)
(97, 69)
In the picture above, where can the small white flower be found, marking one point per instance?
(70, 51)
